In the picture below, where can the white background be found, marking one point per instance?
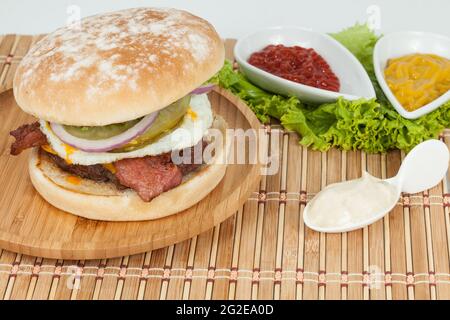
(235, 18)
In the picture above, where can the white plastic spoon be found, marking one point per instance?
(423, 168)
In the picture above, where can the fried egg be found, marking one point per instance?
(193, 127)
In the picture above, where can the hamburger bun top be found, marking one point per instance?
(117, 66)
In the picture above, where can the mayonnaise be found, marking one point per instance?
(351, 202)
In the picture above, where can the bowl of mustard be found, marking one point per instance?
(413, 69)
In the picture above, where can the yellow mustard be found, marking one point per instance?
(418, 79)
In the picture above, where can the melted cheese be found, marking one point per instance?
(49, 149)
(110, 167)
(73, 180)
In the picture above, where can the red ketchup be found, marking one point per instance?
(297, 64)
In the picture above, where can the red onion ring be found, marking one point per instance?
(108, 144)
(203, 89)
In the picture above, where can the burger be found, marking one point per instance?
(116, 97)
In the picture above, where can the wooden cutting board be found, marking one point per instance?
(30, 225)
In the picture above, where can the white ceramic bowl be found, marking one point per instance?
(398, 44)
(355, 82)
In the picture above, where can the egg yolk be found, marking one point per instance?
(192, 113)
(69, 150)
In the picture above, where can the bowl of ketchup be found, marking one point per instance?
(312, 66)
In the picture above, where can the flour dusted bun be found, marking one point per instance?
(102, 201)
(117, 66)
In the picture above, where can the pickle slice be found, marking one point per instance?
(167, 119)
(100, 132)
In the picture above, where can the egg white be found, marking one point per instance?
(187, 134)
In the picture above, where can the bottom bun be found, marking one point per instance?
(102, 201)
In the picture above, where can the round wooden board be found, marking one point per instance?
(29, 225)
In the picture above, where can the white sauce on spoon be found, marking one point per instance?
(351, 202)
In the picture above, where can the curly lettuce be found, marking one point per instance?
(369, 125)
(360, 41)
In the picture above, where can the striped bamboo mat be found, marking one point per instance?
(264, 251)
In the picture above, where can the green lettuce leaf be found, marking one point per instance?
(370, 125)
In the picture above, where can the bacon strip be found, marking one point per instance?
(27, 136)
(148, 176)
(152, 175)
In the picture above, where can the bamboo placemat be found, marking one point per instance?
(264, 251)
